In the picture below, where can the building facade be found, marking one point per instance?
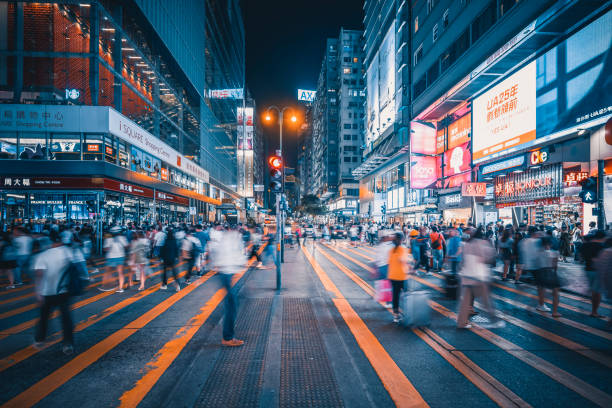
(520, 112)
(111, 112)
(337, 129)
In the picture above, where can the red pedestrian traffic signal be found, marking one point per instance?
(275, 163)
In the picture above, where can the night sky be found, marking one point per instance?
(285, 41)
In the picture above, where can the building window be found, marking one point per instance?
(355, 126)
(355, 60)
(434, 32)
(347, 137)
(445, 19)
(505, 6)
(346, 70)
(355, 159)
(430, 5)
(347, 159)
(347, 125)
(416, 24)
(418, 54)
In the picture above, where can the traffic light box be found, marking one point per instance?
(275, 163)
(589, 190)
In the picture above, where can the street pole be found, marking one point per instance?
(601, 216)
(278, 244)
(280, 149)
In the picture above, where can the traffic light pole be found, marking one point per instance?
(279, 236)
(601, 216)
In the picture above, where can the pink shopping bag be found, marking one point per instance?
(383, 290)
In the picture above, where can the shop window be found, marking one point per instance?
(8, 145)
(33, 146)
(124, 156)
(93, 147)
(47, 207)
(110, 150)
(81, 207)
(64, 146)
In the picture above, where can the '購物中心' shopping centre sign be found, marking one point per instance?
(530, 185)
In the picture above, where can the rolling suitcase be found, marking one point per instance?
(415, 307)
(451, 284)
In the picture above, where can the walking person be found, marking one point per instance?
(227, 257)
(577, 241)
(190, 250)
(52, 290)
(169, 253)
(23, 249)
(591, 248)
(454, 250)
(506, 244)
(475, 274)
(114, 247)
(8, 258)
(564, 243)
(546, 276)
(437, 246)
(399, 267)
(139, 248)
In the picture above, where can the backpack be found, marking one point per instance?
(435, 244)
(75, 282)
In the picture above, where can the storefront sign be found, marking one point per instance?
(574, 177)
(455, 200)
(160, 195)
(530, 185)
(474, 189)
(49, 182)
(451, 199)
(123, 187)
(165, 176)
(505, 116)
(544, 201)
(95, 148)
(538, 157)
(503, 165)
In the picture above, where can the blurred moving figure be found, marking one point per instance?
(593, 245)
(169, 253)
(114, 246)
(475, 274)
(227, 258)
(8, 259)
(138, 257)
(399, 267)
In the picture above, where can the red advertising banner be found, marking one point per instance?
(457, 160)
(458, 180)
(424, 171)
(459, 131)
(440, 145)
(474, 189)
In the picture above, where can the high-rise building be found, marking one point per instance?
(119, 111)
(338, 123)
(483, 85)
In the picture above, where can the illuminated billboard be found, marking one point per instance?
(422, 138)
(424, 171)
(457, 160)
(505, 115)
(306, 95)
(234, 93)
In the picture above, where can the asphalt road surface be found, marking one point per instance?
(322, 341)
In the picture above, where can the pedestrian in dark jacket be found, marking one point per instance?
(169, 255)
(565, 241)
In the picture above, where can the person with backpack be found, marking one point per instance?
(50, 267)
(191, 249)
(169, 253)
(437, 248)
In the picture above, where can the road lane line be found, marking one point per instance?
(170, 351)
(561, 376)
(400, 389)
(32, 322)
(32, 306)
(55, 338)
(59, 377)
(486, 383)
(572, 323)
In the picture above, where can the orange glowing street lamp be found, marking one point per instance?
(281, 114)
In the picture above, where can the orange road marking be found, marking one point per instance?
(563, 377)
(400, 389)
(59, 377)
(55, 338)
(495, 390)
(577, 325)
(32, 322)
(170, 351)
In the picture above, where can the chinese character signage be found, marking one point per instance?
(575, 177)
(505, 116)
(529, 185)
(235, 93)
(474, 189)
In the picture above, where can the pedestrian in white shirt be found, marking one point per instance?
(114, 247)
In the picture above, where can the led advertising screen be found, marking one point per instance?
(372, 106)
(457, 160)
(422, 138)
(424, 171)
(459, 131)
(505, 116)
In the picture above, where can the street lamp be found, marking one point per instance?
(281, 115)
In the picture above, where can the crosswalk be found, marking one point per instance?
(130, 346)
